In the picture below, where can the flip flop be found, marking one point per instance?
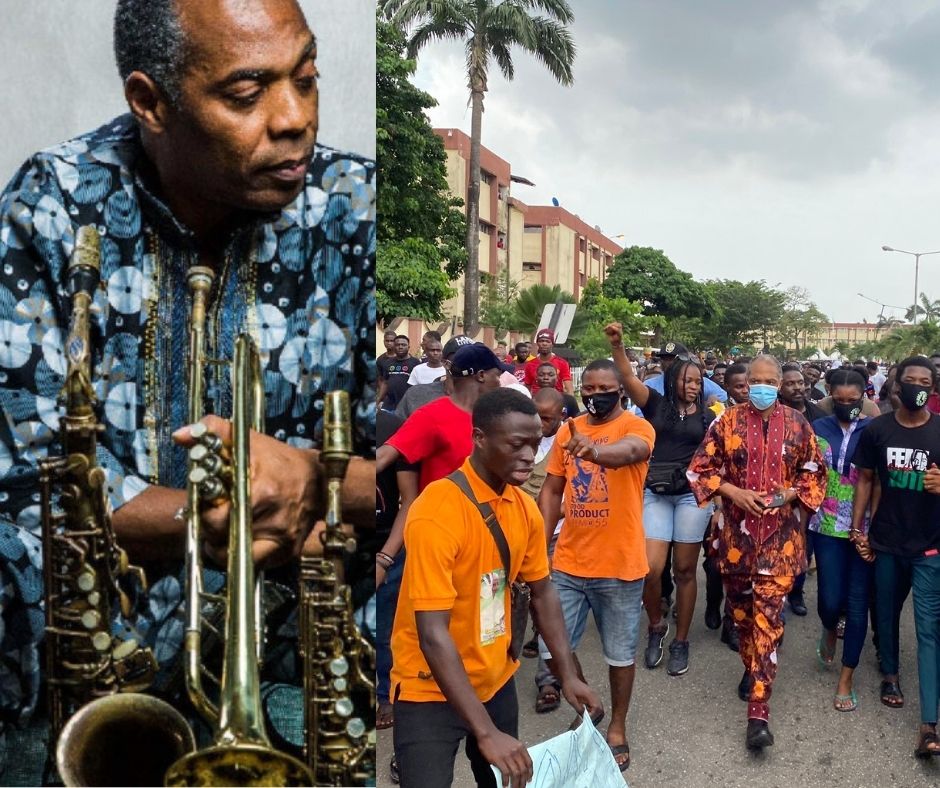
(823, 657)
(891, 695)
(624, 749)
(385, 717)
(549, 699)
(845, 702)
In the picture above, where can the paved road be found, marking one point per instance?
(689, 730)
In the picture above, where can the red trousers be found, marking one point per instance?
(757, 605)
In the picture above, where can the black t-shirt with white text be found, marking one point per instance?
(907, 522)
(395, 372)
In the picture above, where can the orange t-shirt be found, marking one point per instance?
(603, 534)
(453, 564)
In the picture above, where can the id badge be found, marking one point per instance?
(492, 606)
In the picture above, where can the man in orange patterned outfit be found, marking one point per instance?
(762, 458)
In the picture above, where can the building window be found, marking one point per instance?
(486, 228)
(532, 228)
(583, 280)
(582, 245)
(485, 177)
(531, 266)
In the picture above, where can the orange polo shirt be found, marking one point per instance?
(603, 534)
(453, 564)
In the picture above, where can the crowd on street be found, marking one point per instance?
(513, 499)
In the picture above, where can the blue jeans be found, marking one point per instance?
(892, 585)
(801, 578)
(617, 606)
(386, 600)
(844, 580)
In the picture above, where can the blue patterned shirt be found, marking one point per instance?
(300, 281)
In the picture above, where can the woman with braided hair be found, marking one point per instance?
(671, 514)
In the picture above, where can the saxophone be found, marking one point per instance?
(339, 663)
(85, 574)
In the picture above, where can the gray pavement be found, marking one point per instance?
(689, 730)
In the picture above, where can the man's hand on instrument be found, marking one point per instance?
(283, 492)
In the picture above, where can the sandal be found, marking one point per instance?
(891, 694)
(845, 702)
(924, 750)
(531, 648)
(624, 749)
(384, 717)
(824, 656)
(548, 699)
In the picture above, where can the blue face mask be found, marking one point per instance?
(762, 396)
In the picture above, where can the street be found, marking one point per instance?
(689, 730)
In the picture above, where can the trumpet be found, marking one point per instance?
(241, 753)
(93, 679)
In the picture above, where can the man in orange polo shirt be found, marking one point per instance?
(599, 462)
(452, 677)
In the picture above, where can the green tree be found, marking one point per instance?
(926, 310)
(643, 275)
(800, 319)
(498, 301)
(591, 342)
(489, 30)
(415, 209)
(413, 281)
(924, 338)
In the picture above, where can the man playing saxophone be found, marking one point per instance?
(216, 165)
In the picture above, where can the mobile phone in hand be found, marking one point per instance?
(775, 501)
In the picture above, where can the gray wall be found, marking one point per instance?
(58, 78)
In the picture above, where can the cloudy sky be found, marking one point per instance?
(748, 140)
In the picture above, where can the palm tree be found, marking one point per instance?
(489, 29)
(532, 302)
(926, 310)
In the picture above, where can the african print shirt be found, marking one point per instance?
(735, 450)
(838, 445)
(300, 281)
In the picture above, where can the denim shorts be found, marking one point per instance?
(617, 606)
(674, 518)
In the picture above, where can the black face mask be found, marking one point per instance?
(847, 411)
(601, 405)
(912, 396)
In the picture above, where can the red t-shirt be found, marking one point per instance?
(439, 435)
(532, 368)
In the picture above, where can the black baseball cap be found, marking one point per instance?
(674, 350)
(454, 343)
(473, 358)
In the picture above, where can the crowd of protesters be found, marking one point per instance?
(490, 474)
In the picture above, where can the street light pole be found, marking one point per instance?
(916, 256)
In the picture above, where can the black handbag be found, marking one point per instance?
(667, 478)
(519, 592)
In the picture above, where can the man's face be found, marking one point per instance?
(433, 351)
(718, 375)
(245, 131)
(546, 376)
(919, 376)
(550, 414)
(763, 373)
(811, 374)
(501, 350)
(522, 351)
(490, 379)
(401, 348)
(793, 389)
(935, 360)
(736, 386)
(389, 341)
(507, 449)
(544, 345)
(599, 381)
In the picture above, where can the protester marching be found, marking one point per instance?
(608, 511)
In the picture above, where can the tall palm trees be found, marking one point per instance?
(489, 29)
(926, 310)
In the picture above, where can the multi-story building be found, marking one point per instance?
(850, 334)
(537, 244)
